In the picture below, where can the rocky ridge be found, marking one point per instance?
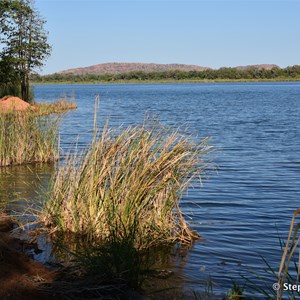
(115, 68)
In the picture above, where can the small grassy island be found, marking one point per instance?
(27, 133)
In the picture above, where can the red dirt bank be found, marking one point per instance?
(20, 277)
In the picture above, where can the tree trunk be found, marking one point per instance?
(25, 88)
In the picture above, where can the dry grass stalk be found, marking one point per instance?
(289, 250)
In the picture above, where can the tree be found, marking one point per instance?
(8, 75)
(24, 40)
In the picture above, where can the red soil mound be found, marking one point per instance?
(9, 103)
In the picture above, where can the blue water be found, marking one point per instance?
(239, 209)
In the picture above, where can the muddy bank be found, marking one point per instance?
(20, 276)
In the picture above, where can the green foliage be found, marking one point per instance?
(9, 89)
(13, 89)
(289, 73)
(8, 78)
(114, 260)
(236, 292)
(24, 43)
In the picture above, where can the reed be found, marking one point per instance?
(26, 138)
(288, 274)
(128, 186)
(57, 107)
(284, 275)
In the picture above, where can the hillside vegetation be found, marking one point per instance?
(116, 68)
(248, 73)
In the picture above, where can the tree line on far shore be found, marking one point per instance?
(252, 73)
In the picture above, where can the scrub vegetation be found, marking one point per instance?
(222, 74)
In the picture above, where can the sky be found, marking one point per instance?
(213, 33)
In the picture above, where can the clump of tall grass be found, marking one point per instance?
(26, 138)
(128, 186)
(59, 106)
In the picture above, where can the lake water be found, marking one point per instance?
(244, 206)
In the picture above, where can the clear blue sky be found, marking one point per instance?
(207, 33)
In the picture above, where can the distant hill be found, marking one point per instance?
(263, 66)
(139, 72)
(115, 68)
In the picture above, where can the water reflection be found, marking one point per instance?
(25, 185)
(240, 211)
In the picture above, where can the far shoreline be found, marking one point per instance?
(167, 81)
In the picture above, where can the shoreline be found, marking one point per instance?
(167, 81)
(21, 277)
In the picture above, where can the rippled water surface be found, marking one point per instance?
(240, 208)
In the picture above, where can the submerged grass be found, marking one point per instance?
(27, 138)
(127, 185)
